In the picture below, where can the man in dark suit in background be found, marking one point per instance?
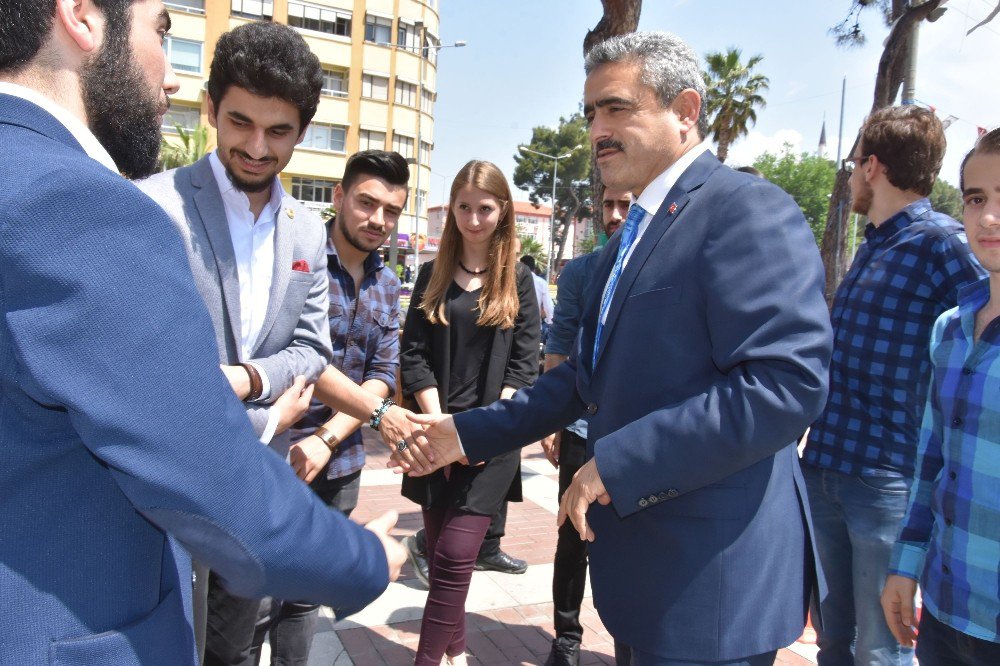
(703, 355)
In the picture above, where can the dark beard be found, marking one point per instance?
(248, 185)
(122, 115)
(355, 242)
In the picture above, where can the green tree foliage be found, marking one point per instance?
(533, 173)
(946, 198)
(532, 247)
(733, 95)
(190, 147)
(807, 178)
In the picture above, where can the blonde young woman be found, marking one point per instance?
(471, 337)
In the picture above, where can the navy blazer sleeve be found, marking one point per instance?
(762, 288)
(569, 308)
(104, 323)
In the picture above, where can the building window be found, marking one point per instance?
(425, 152)
(251, 8)
(188, 117)
(375, 87)
(184, 55)
(313, 190)
(326, 137)
(431, 47)
(372, 140)
(421, 201)
(402, 144)
(407, 36)
(320, 19)
(406, 93)
(378, 29)
(334, 82)
(189, 6)
(427, 101)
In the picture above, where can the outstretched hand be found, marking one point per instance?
(395, 553)
(435, 437)
(585, 489)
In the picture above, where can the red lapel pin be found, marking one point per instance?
(672, 209)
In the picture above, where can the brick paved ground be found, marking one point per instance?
(509, 619)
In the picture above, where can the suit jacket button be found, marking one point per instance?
(592, 408)
(663, 496)
(643, 503)
(653, 499)
(672, 493)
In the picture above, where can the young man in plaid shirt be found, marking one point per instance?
(364, 329)
(950, 540)
(859, 459)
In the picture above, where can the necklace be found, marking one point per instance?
(470, 272)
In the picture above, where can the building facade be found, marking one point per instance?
(380, 67)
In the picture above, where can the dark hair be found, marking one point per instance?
(25, 26)
(909, 141)
(751, 170)
(528, 261)
(988, 143)
(389, 166)
(268, 60)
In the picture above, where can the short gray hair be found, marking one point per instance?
(668, 64)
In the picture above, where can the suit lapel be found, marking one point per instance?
(666, 216)
(284, 246)
(215, 226)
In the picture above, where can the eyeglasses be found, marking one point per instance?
(848, 164)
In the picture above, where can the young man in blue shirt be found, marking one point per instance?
(859, 458)
(950, 539)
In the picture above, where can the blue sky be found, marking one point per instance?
(522, 68)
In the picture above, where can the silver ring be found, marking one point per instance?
(401, 445)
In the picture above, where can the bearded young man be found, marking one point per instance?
(859, 458)
(123, 443)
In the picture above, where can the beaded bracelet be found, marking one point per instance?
(376, 418)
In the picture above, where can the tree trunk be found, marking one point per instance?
(620, 17)
(888, 79)
(563, 234)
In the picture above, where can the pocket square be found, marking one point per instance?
(300, 265)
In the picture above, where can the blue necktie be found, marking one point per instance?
(635, 215)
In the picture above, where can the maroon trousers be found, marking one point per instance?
(453, 541)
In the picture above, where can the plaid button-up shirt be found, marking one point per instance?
(904, 276)
(365, 335)
(950, 539)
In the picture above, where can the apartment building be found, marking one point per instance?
(380, 68)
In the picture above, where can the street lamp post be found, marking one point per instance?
(415, 236)
(552, 220)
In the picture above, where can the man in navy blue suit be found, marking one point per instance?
(703, 355)
(122, 445)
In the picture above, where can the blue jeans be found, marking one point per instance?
(856, 520)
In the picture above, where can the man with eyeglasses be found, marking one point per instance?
(859, 458)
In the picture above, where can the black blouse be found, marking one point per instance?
(470, 343)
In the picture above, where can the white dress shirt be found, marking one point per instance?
(652, 198)
(253, 247)
(73, 125)
(545, 306)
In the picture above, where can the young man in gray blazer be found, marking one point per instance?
(257, 255)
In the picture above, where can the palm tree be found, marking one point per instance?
(192, 147)
(733, 93)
